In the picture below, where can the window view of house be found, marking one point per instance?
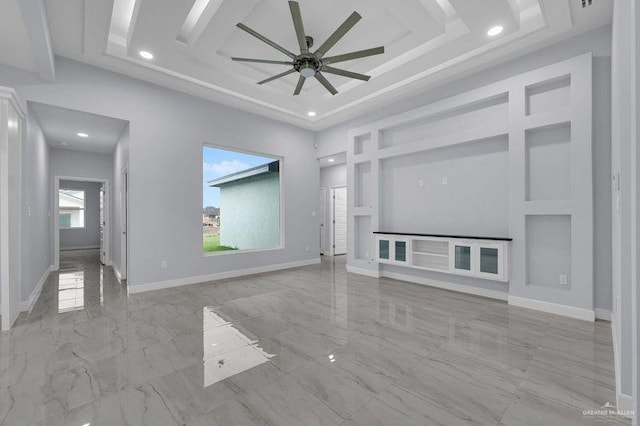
(71, 208)
(241, 201)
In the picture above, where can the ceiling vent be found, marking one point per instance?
(586, 3)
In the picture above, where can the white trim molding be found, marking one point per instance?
(624, 402)
(362, 271)
(159, 285)
(27, 305)
(460, 288)
(602, 314)
(553, 308)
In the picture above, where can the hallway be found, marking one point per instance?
(313, 345)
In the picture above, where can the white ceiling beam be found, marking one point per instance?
(34, 15)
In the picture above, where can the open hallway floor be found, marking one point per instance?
(307, 346)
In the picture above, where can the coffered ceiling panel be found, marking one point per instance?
(426, 42)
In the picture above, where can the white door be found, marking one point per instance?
(323, 192)
(340, 220)
(10, 210)
(102, 223)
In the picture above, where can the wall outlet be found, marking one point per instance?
(163, 264)
(564, 280)
(420, 183)
(306, 248)
(445, 180)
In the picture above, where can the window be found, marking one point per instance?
(71, 208)
(241, 201)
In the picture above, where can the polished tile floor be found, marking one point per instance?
(308, 346)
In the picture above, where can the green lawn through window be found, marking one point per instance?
(211, 243)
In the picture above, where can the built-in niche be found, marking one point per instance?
(427, 129)
(548, 251)
(461, 189)
(548, 163)
(548, 95)
(364, 187)
(364, 238)
(362, 144)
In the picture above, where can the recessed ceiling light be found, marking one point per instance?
(331, 160)
(494, 31)
(146, 55)
(83, 135)
(311, 113)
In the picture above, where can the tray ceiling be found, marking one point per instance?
(426, 41)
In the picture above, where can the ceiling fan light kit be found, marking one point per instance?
(312, 64)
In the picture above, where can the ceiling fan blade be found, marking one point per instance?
(354, 55)
(301, 81)
(326, 83)
(338, 34)
(265, 40)
(275, 77)
(346, 73)
(262, 61)
(297, 23)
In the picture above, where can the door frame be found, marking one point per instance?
(323, 220)
(332, 234)
(124, 222)
(56, 217)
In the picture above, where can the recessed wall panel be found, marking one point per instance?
(364, 240)
(548, 95)
(364, 188)
(548, 251)
(548, 163)
(475, 115)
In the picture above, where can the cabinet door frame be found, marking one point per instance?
(391, 249)
(407, 254)
(452, 257)
(501, 261)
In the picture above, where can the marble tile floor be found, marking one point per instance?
(307, 346)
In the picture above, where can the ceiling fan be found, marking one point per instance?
(312, 64)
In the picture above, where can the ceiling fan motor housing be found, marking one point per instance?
(307, 66)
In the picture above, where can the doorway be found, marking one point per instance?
(124, 221)
(339, 221)
(323, 201)
(83, 221)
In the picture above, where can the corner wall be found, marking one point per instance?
(36, 239)
(167, 130)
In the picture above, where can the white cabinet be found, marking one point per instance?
(393, 250)
(473, 257)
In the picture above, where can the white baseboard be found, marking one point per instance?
(460, 288)
(27, 305)
(602, 314)
(159, 285)
(363, 271)
(553, 308)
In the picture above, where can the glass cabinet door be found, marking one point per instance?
(462, 257)
(489, 260)
(383, 249)
(400, 251)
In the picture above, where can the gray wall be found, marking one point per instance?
(36, 227)
(623, 56)
(89, 236)
(334, 140)
(331, 177)
(80, 164)
(167, 130)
